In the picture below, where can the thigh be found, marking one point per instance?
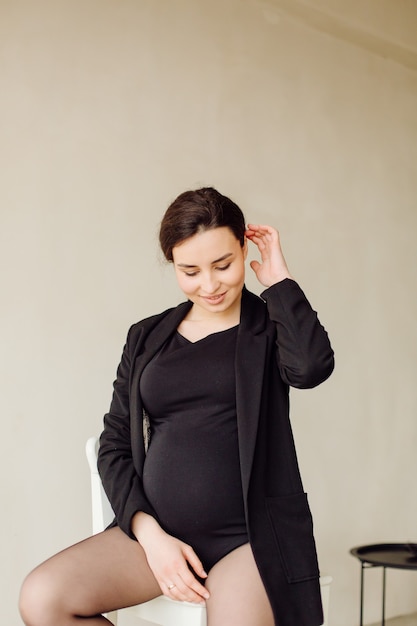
(237, 593)
(102, 573)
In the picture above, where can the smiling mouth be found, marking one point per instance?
(214, 299)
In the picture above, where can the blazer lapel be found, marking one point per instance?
(250, 363)
(153, 339)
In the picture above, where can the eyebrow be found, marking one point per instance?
(222, 258)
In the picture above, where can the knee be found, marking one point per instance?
(37, 600)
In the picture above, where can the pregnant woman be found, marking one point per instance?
(197, 455)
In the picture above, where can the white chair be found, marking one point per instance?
(161, 611)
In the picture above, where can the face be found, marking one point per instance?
(210, 269)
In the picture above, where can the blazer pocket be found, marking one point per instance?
(292, 526)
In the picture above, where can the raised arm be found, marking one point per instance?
(304, 354)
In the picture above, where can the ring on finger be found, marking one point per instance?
(171, 587)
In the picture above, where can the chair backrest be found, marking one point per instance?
(101, 510)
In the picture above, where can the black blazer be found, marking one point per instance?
(280, 343)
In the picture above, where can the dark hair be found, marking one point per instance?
(196, 211)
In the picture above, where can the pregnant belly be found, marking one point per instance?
(193, 483)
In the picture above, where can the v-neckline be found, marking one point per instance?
(218, 332)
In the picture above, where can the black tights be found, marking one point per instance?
(109, 571)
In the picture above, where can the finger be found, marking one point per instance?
(249, 233)
(170, 590)
(197, 567)
(255, 265)
(187, 574)
(263, 232)
(254, 232)
(256, 238)
(183, 592)
(173, 590)
(259, 241)
(194, 561)
(258, 232)
(195, 585)
(262, 228)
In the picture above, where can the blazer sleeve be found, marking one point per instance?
(121, 481)
(304, 354)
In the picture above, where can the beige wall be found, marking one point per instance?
(306, 114)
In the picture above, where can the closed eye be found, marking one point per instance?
(220, 268)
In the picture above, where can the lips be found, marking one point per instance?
(218, 299)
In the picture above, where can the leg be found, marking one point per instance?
(105, 572)
(237, 594)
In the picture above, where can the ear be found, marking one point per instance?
(245, 249)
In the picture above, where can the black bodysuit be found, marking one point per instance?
(191, 474)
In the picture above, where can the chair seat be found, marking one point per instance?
(166, 612)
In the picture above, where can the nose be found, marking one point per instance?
(210, 283)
